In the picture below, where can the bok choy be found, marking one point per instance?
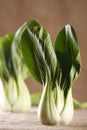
(56, 68)
(68, 55)
(37, 48)
(14, 96)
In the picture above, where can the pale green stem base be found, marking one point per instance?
(4, 103)
(23, 102)
(68, 110)
(47, 111)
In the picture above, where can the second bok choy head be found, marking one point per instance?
(56, 68)
(68, 56)
(14, 96)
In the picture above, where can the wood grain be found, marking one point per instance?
(29, 121)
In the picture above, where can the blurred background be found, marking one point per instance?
(53, 15)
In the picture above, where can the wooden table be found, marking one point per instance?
(29, 121)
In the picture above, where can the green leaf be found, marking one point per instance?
(35, 99)
(78, 104)
(37, 50)
(68, 55)
(17, 57)
(6, 67)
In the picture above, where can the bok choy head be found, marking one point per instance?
(39, 55)
(11, 92)
(68, 56)
(56, 68)
(6, 69)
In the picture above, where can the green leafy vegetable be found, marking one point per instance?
(37, 43)
(56, 68)
(15, 93)
(68, 55)
(6, 69)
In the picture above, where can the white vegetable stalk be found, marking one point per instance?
(59, 98)
(68, 110)
(4, 103)
(23, 102)
(15, 96)
(11, 91)
(47, 111)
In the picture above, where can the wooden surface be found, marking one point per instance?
(29, 121)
